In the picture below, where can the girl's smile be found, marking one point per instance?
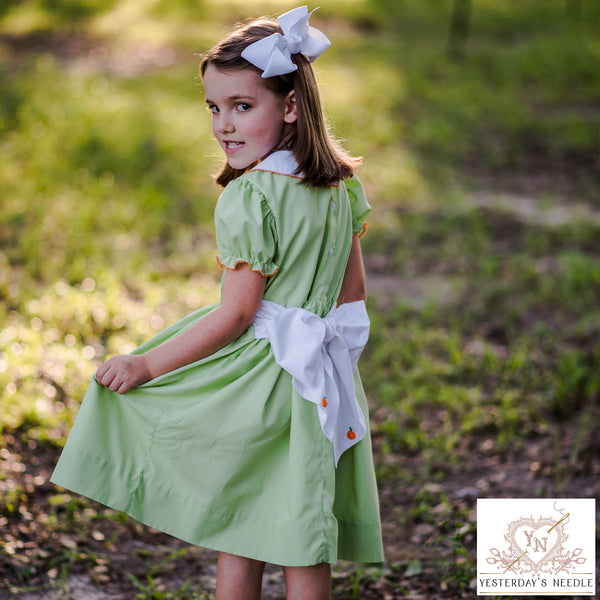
(248, 120)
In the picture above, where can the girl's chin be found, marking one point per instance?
(238, 163)
(235, 164)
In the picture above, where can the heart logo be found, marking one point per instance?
(536, 541)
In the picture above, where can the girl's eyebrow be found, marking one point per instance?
(231, 99)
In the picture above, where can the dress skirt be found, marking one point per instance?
(225, 454)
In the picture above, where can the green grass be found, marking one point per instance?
(106, 221)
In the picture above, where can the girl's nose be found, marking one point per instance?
(226, 126)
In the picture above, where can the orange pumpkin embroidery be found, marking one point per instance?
(324, 402)
(351, 435)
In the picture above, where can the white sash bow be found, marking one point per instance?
(321, 354)
(273, 54)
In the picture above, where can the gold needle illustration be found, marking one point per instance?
(515, 561)
(555, 524)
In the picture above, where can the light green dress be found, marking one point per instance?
(224, 453)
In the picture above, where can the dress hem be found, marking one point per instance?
(244, 533)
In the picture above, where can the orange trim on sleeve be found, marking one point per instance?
(362, 232)
(241, 261)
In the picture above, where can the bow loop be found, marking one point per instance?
(273, 54)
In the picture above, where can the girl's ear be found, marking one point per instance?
(291, 109)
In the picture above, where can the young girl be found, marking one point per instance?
(243, 427)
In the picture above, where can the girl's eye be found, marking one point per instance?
(212, 109)
(243, 107)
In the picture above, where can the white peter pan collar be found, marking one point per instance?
(282, 162)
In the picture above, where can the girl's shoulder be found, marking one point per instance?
(277, 176)
(282, 167)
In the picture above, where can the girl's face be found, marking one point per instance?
(248, 120)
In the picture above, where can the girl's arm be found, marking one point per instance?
(241, 297)
(353, 285)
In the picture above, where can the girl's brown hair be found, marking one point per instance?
(320, 157)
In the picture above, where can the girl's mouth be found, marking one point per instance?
(231, 147)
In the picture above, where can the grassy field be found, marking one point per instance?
(483, 258)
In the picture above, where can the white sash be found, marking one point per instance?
(321, 354)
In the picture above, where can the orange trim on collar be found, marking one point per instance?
(336, 184)
(257, 168)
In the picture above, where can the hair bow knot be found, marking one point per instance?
(273, 54)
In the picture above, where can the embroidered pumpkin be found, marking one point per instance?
(324, 402)
(351, 435)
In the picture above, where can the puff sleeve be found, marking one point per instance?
(245, 229)
(359, 205)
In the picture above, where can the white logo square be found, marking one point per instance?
(536, 546)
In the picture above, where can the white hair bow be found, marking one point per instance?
(273, 54)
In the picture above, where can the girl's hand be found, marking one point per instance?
(121, 373)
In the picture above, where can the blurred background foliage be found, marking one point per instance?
(479, 123)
